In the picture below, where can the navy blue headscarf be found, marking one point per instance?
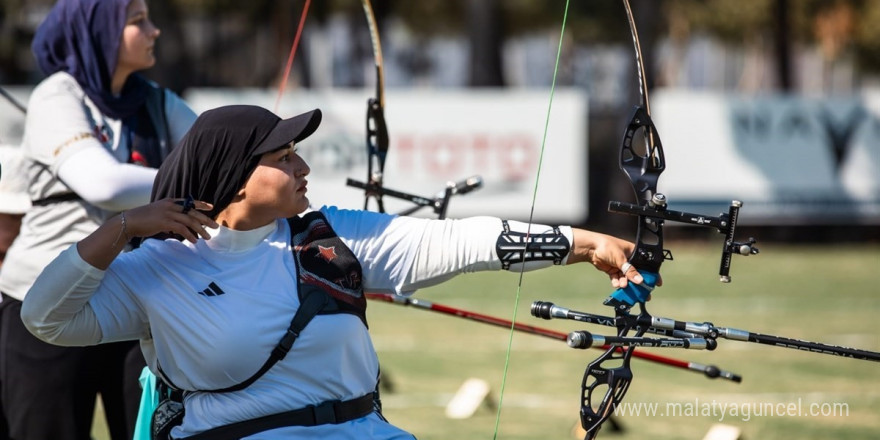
(82, 37)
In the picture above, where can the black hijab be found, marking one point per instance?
(82, 37)
(221, 150)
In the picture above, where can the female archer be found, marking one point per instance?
(251, 303)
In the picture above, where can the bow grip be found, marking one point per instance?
(633, 293)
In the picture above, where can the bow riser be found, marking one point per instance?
(377, 131)
(643, 169)
(596, 377)
(377, 150)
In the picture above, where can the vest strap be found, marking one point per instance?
(334, 412)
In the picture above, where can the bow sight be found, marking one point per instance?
(655, 212)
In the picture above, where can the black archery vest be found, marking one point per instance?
(325, 267)
(325, 263)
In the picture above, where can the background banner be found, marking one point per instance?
(791, 160)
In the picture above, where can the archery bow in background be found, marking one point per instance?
(293, 47)
(610, 372)
(377, 146)
(376, 132)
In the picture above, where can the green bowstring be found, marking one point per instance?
(528, 230)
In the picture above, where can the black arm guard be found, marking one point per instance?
(518, 247)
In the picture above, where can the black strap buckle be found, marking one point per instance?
(325, 412)
(283, 347)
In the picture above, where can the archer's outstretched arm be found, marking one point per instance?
(446, 248)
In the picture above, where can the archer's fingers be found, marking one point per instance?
(196, 221)
(631, 274)
(618, 278)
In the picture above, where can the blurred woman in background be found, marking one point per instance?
(14, 202)
(95, 133)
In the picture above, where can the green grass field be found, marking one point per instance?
(823, 293)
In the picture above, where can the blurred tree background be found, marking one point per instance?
(228, 43)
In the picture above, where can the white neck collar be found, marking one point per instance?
(224, 239)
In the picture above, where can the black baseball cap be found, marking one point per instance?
(285, 131)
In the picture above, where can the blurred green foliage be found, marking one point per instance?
(838, 27)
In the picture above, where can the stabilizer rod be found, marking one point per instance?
(710, 371)
(548, 310)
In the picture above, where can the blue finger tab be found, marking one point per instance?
(633, 293)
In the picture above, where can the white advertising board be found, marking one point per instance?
(790, 160)
(442, 136)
